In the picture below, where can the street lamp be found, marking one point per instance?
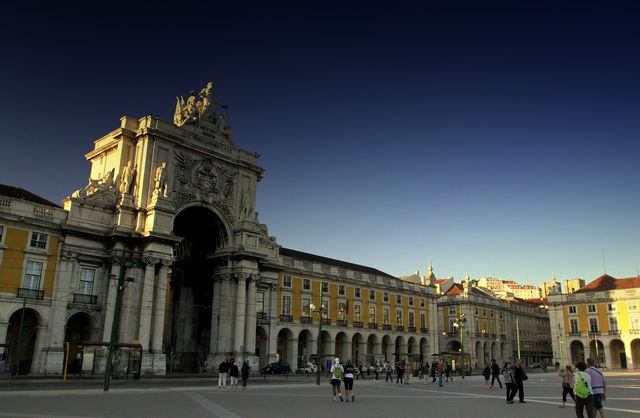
(319, 310)
(458, 323)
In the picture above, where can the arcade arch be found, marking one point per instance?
(22, 333)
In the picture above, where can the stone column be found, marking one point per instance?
(241, 295)
(146, 305)
(110, 300)
(292, 353)
(215, 319)
(250, 326)
(224, 323)
(158, 307)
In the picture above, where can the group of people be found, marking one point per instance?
(338, 374)
(437, 370)
(230, 368)
(586, 386)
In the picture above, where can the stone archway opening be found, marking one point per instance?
(78, 329)
(454, 346)
(596, 352)
(387, 348)
(618, 355)
(284, 348)
(191, 286)
(577, 351)
(635, 353)
(21, 338)
(261, 347)
(304, 347)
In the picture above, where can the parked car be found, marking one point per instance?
(309, 369)
(277, 368)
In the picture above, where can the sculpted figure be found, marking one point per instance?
(160, 179)
(246, 207)
(126, 178)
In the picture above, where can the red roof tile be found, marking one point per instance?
(606, 282)
(441, 281)
(456, 289)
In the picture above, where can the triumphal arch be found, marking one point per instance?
(173, 204)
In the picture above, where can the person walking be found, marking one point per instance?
(509, 382)
(348, 381)
(583, 391)
(440, 373)
(336, 372)
(245, 374)
(520, 376)
(360, 373)
(407, 373)
(567, 385)
(234, 374)
(434, 366)
(223, 369)
(447, 372)
(399, 373)
(495, 373)
(389, 370)
(599, 386)
(486, 373)
(203, 367)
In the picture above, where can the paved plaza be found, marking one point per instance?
(299, 397)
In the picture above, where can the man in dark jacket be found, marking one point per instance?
(223, 369)
(495, 373)
(519, 376)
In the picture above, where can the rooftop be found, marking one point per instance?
(22, 194)
(606, 282)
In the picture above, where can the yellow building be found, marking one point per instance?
(29, 243)
(600, 320)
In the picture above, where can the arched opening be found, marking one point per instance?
(577, 351)
(454, 346)
(191, 286)
(618, 355)
(387, 348)
(504, 352)
(284, 348)
(479, 355)
(341, 349)
(495, 354)
(328, 350)
(373, 356)
(261, 347)
(596, 352)
(424, 349)
(401, 349)
(77, 330)
(304, 348)
(635, 353)
(412, 346)
(21, 338)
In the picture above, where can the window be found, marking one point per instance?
(611, 307)
(412, 319)
(325, 287)
(385, 316)
(500, 315)
(87, 277)
(484, 312)
(341, 289)
(452, 329)
(372, 295)
(635, 324)
(372, 315)
(1, 232)
(286, 282)
(357, 291)
(260, 302)
(633, 306)
(306, 309)
(286, 305)
(306, 284)
(422, 303)
(325, 310)
(307, 265)
(593, 324)
(410, 301)
(385, 297)
(592, 308)
(613, 324)
(572, 309)
(399, 318)
(398, 300)
(38, 240)
(476, 311)
(341, 311)
(423, 320)
(357, 315)
(491, 314)
(32, 275)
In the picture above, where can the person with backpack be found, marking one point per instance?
(348, 381)
(599, 386)
(509, 382)
(583, 391)
(336, 372)
(567, 385)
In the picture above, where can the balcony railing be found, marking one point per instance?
(399, 328)
(478, 334)
(306, 319)
(286, 318)
(373, 326)
(412, 329)
(594, 332)
(493, 335)
(575, 334)
(261, 315)
(82, 298)
(424, 330)
(25, 293)
(614, 332)
(342, 322)
(357, 324)
(453, 334)
(634, 331)
(386, 326)
(326, 321)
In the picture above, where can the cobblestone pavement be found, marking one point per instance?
(302, 398)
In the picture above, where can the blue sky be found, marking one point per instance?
(497, 138)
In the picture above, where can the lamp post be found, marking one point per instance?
(560, 341)
(459, 324)
(518, 336)
(319, 311)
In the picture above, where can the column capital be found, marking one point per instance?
(222, 277)
(150, 261)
